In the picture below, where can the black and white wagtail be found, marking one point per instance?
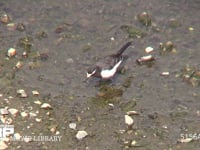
(106, 67)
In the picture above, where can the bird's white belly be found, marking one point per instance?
(106, 74)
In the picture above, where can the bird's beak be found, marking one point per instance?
(88, 75)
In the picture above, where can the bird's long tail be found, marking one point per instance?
(119, 53)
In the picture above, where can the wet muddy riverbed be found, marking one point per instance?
(56, 41)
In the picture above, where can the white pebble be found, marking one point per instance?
(24, 114)
(165, 74)
(46, 106)
(13, 111)
(132, 112)
(38, 102)
(3, 145)
(4, 111)
(149, 49)
(128, 120)
(81, 134)
(72, 126)
(35, 93)
(38, 119)
(11, 52)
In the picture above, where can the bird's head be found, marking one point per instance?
(91, 72)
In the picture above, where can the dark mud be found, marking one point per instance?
(65, 37)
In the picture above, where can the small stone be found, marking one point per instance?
(185, 140)
(24, 114)
(25, 54)
(32, 114)
(11, 52)
(38, 119)
(13, 111)
(48, 113)
(3, 145)
(72, 126)
(128, 120)
(22, 93)
(4, 111)
(4, 18)
(9, 121)
(191, 29)
(81, 134)
(46, 106)
(111, 105)
(19, 65)
(53, 130)
(11, 26)
(132, 112)
(112, 38)
(35, 93)
(133, 143)
(2, 119)
(165, 74)
(144, 59)
(57, 133)
(149, 49)
(38, 102)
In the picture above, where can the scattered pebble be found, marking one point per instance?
(165, 74)
(144, 18)
(57, 133)
(4, 111)
(2, 119)
(149, 49)
(128, 120)
(132, 112)
(22, 93)
(38, 119)
(32, 114)
(72, 126)
(3, 145)
(24, 114)
(11, 52)
(191, 29)
(111, 105)
(112, 38)
(53, 130)
(8, 121)
(11, 26)
(4, 18)
(35, 93)
(19, 64)
(81, 134)
(185, 140)
(46, 106)
(38, 102)
(144, 59)
(133, 143)
(13, 111)
(25, 54)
